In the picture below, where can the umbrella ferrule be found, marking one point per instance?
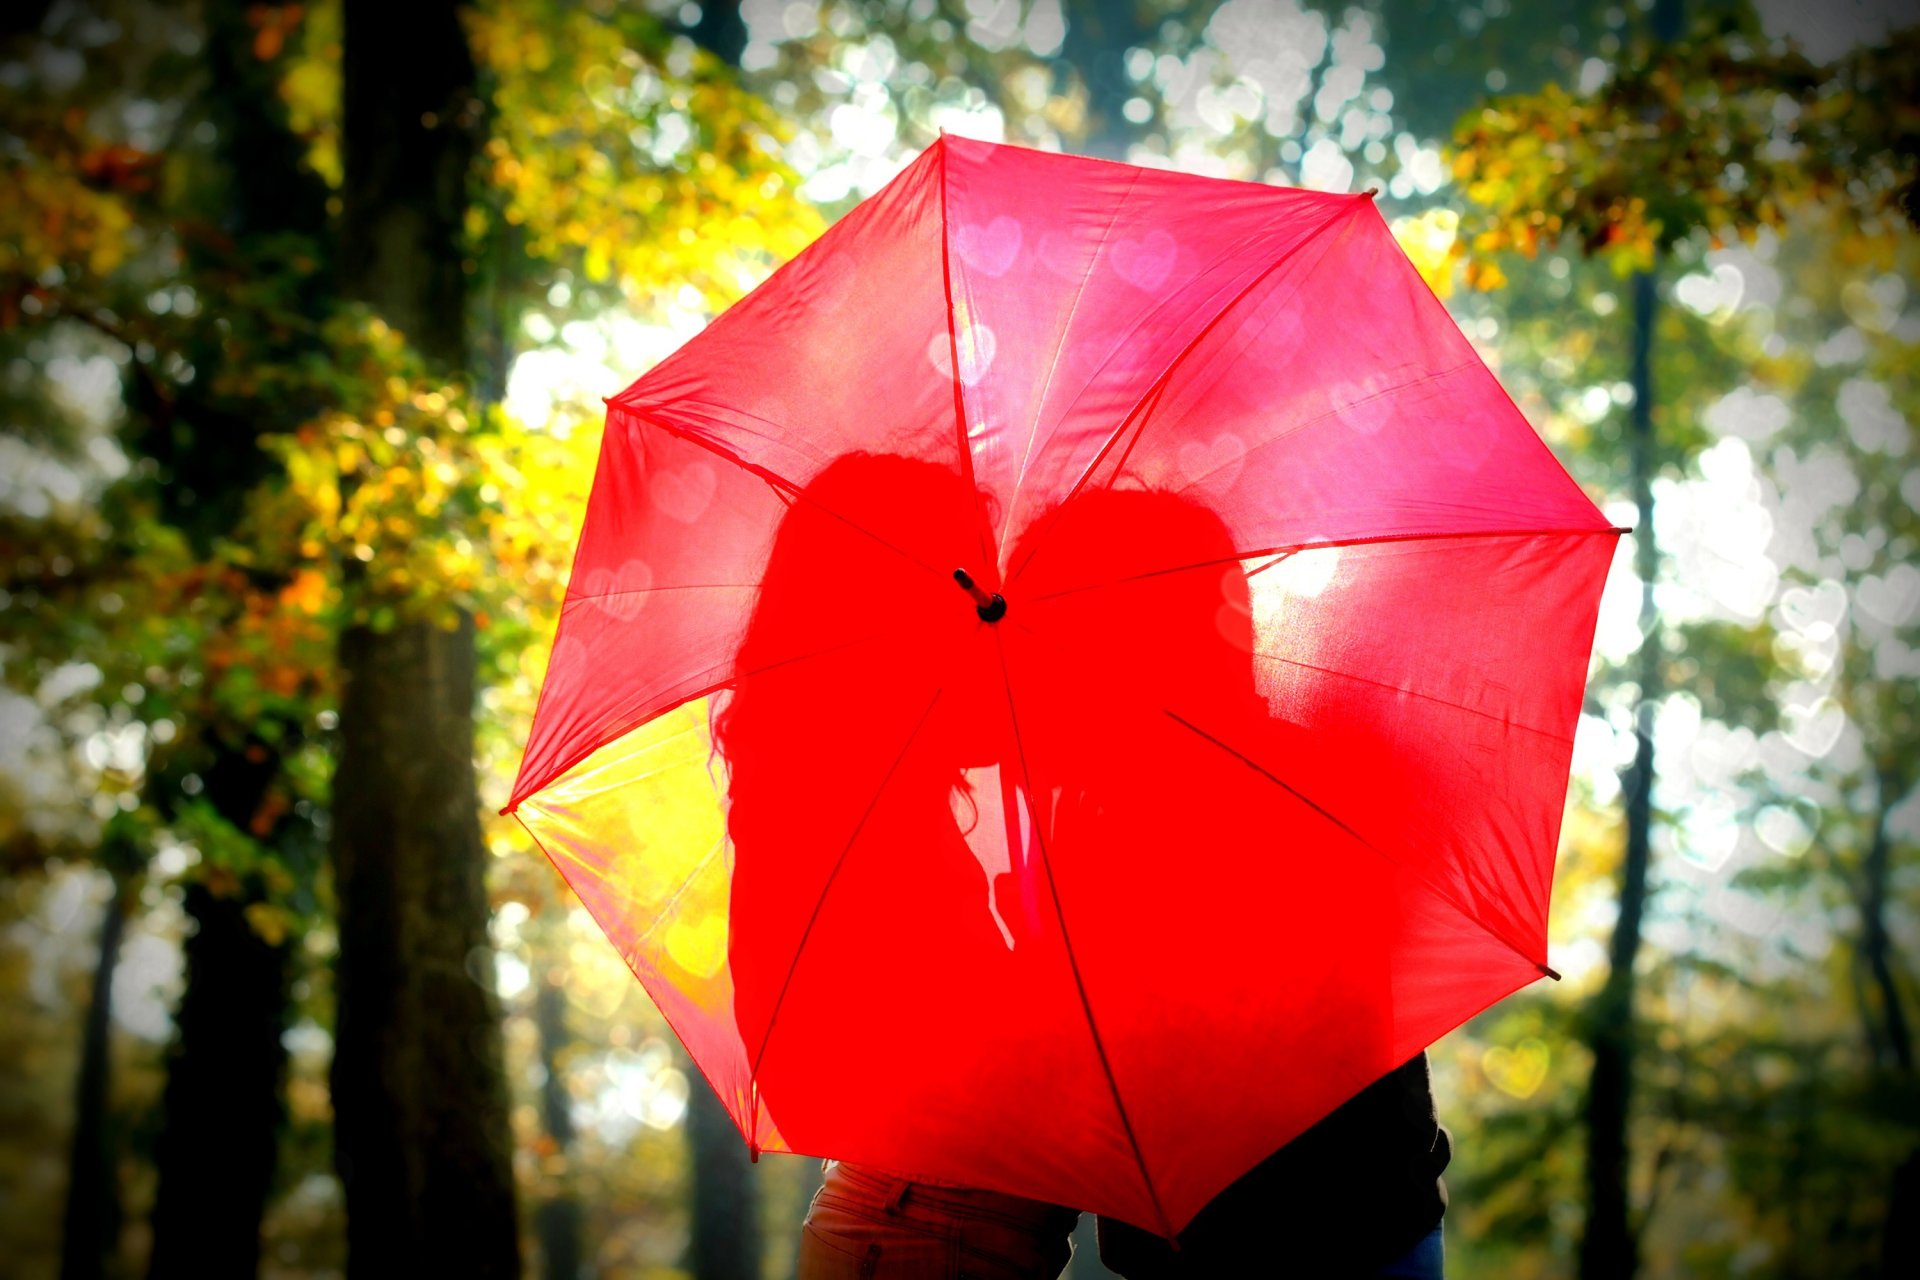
(991, 608)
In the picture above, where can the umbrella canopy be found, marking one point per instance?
(1069, 680)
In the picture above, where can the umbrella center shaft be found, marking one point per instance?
(991, 608)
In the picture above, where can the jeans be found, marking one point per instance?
(1422, 1262)
(868, 1225)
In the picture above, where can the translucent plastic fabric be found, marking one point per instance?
(1250, 795)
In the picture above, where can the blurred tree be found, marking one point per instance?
(219, 1129)
(90, 1227)
(94, 273)
(419, 1098)
(1094, 51)
(1844, 453)
(557, 1217)
(725, 1241)
(1609, 1246)
(1625, 172)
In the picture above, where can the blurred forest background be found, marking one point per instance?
(280, 995)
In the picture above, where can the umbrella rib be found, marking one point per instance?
(1053, 365)
(629, 959)
(778, 483)
(833, 875)
(1166, 375)
(1334, 412)
(1290, 548)
(1413, 693)
(1073, 963)
(989, 558)
(1281, 558)
(703, 691)
(1443, 892)
(666, 908)
(1182, 355)
(584, 596)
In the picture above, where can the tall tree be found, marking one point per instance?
(222, 1108)
(1609, 1249)
(422, 1142)
(90, 1228)
(726, 1239)
(1686, 143)
(558, 1216)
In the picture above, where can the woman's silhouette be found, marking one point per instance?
(846, 734)
(831, 748)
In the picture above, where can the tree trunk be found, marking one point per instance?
(558, 1219)
(220, 1114)
(1608, 1250)
(1900, 1247)
(721, 31)
(222, 1107)
(420, 1129)
(91, 1225)
(410, 120)
(1887, 1026)
(726, 1202)
(1099, 33)
(1888, 1033)
(421, 1137)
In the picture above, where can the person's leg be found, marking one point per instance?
(1422, 1262)
(868, 1225)
(856, 1230)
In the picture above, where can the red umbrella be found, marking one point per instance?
(1069, 680)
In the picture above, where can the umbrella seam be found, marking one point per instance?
(1467, 872)
(699, 692)
(1142, 413)
(1434, 304)
(1415, 693)
(586, 596)
(680, 890)
(775, 481)
(1160, 377)
(1073, 963)
(1331, 543)
(1336, 411)
(1053, 365)
(627, 958)
(1150, 406)
(989, 554)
